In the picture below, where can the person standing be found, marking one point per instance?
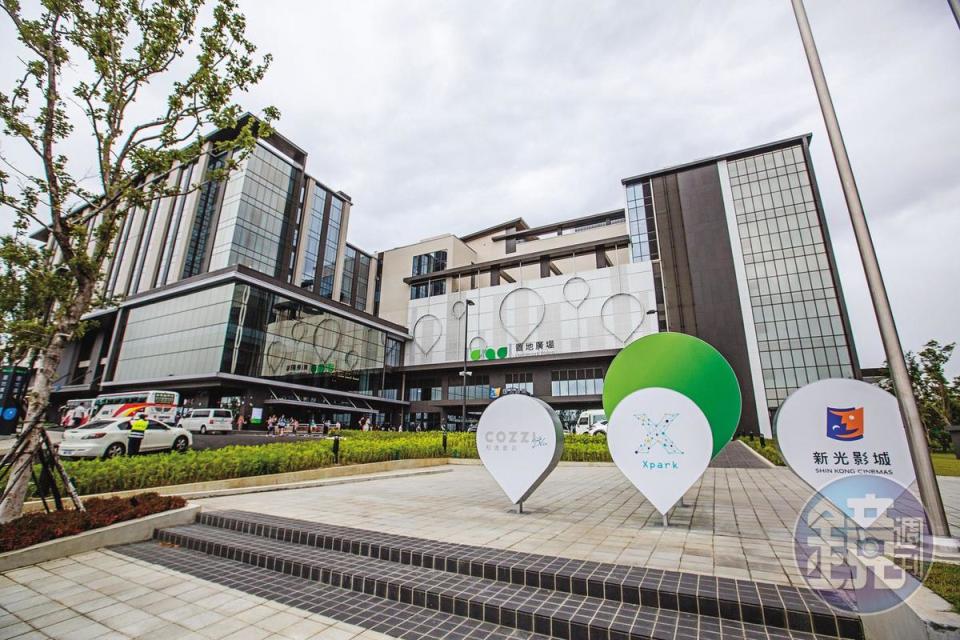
(138, 429)
(77, 416)
(240, 422)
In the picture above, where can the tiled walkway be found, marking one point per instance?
(738, 522)
(105, 596)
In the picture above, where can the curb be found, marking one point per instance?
(120, 533)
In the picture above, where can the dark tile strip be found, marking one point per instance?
(351, 607)
(530, 609)
(737, 600)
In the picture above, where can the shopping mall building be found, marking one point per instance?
(246, 294)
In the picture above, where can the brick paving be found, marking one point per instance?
(106, 596)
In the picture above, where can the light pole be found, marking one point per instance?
(916, 434)
(466, 321)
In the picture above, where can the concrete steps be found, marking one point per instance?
(515, 592)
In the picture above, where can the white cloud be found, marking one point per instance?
(451, 116)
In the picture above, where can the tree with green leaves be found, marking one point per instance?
(84, 66)
(938, 397)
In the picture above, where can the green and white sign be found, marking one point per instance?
(684, 364)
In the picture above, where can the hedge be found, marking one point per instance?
(356, 447)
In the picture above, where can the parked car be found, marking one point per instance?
(598, 429)
(589, 419)
(208, 421)
(108, 439)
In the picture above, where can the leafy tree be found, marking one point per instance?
(84, 65)
(938, 397)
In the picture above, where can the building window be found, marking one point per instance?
(515, 382)
(576, 382)
(392, 352)
(349, 265)
(796, 309)
(640, 218)
(429, 263)
(363, 278)
(331, 248)
(479, 389)
(314, 231)
(200, 234)
(438, 287)
(418, 291)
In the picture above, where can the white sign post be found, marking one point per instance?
(836, 428)
(661, 441)
(520, 441)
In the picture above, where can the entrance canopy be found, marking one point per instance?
(313, 400)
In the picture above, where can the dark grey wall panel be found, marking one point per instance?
(719, 318)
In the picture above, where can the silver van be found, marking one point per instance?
(208, 421)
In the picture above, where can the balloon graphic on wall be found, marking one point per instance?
(685, 364)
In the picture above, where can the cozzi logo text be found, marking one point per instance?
(510, 437)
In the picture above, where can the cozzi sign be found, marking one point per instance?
(520, 441)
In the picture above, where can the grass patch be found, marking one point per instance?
(945, 464)
(944, 580)
(35, 528)
(768, 449)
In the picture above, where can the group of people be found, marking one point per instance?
(283, 425)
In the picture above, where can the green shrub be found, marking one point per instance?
(356, 447)
(768, 449)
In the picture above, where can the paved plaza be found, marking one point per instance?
(737, 523)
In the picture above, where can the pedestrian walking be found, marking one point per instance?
(240, 422)
(138, 429)
(281, 424)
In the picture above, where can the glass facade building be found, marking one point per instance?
(796, 307)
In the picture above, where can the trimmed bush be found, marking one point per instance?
(356, 447)
(35, 528)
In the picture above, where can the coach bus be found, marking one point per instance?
(160, 405)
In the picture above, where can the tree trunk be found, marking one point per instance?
(39, 398)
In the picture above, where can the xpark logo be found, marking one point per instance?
(845, 424)
(656, 433)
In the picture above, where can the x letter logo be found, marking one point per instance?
(656, 433)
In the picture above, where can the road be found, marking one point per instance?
(209, 441)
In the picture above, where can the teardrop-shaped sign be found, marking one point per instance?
(520, 441)
(661, 441)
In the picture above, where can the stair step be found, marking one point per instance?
(773, 605)
(548, 612)
(344, 605)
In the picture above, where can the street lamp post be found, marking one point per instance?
(916, 434)
(463, 389)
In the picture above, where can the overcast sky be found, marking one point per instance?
(451, 116)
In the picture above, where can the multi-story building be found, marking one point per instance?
(733, 249)
(243, 293)
(246, 293)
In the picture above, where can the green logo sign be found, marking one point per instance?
(685, 364)
(490, 354)
(323, 367)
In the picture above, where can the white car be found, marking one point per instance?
(208, 421)
(108, 439)
(598, 429)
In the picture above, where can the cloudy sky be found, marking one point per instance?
(451, 116)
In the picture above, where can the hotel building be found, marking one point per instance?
(247, 294)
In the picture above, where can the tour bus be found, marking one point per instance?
(159, 405)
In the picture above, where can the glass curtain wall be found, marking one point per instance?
(314, 233)
(795, 304)
(640, 218)
(331, 248)
(272, 336)
(250, 229)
